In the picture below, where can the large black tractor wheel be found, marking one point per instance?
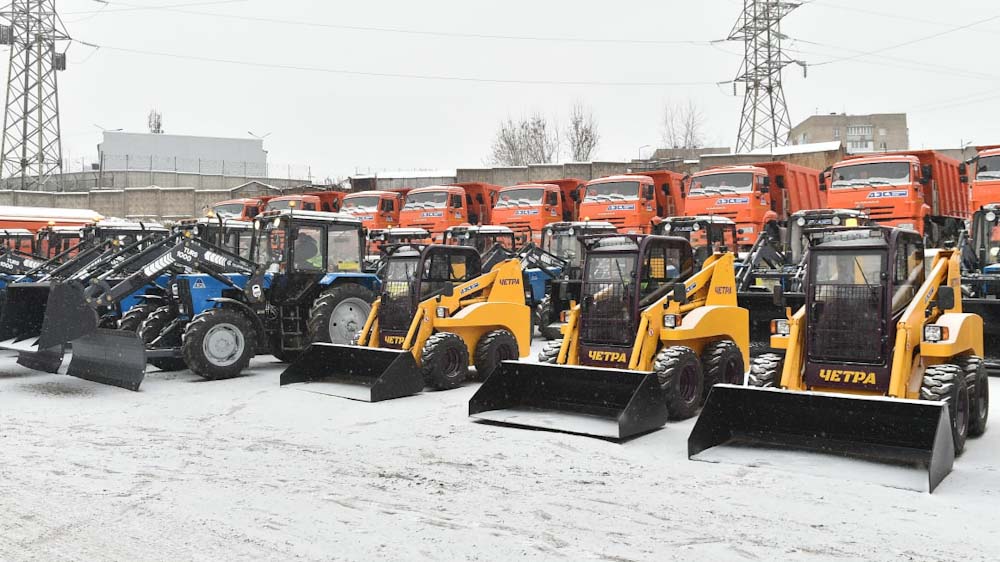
(946, 383)
(339, 313)
(723, 364)
(132, 320)
(219, 343)
(494, 347)
(765, 370)
(545, 315)
(550, 353)
(152, 328)
(978, 382)
(681, 377)
(444, 361)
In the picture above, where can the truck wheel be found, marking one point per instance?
(765, 370)
(978, 382)
(494, 347)
(682, 380)
(545, 314)
(444, 361)
(151, 329)
(132, 320)
(550, 353)
(218, 343)
(339, 313)
(723, 364)
(946, 383)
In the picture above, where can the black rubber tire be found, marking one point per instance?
(682, 379)
(320, 315)
(765, 370)
(978, 382)
(494, 347)
(723, 364)
(444, 361)
(545, 312)
(132, 320)
(194, 339)
(946, 383)
(550, 353)
(152, 327)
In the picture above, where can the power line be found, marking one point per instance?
(896, 62)
(898, 16)
(137, 8)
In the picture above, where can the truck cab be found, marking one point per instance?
(244, 209)
(526, 208)
(632, 201)
(439, 207)
(375, 209)
(984, 173)
(19, 239)
(323, 201)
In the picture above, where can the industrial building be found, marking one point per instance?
(878, 132)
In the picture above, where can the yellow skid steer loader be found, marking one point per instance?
(648, 340)
(438, 314)
(880, 363)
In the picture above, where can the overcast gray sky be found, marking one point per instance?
(339, 123)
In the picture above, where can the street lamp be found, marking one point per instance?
(642, 147)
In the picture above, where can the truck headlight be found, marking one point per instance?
(442, 312)
(780, 327)
(671, 320)
(933, 333)
(801, 221)
(836, 221)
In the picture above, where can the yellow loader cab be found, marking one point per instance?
(880, 362)
(649, 338)
(438, 314)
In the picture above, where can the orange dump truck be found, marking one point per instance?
(438, 207)
(919, 189)
(632, 201)
(527, 207)
(244, 209)
(325, 201)
(376, 209)
(984, 171)
(754, 196)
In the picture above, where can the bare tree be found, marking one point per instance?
(582, 134)
(528, 141)
(683, 125)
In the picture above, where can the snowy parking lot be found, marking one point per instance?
(244, 469)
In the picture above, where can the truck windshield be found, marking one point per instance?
(282, 204)
(988, 168)
(520, 198)
(871, 175)
(229, 210)
(612, 191)
(367, 204)
(853, 268)
(718, 184)
(426, 200)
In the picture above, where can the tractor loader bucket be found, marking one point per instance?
(45, 315)
(113, 357)
(889, 430)
(989, 310)
(46, 360)
(607, 403)
(359, 373)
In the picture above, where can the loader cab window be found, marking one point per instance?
(662, 266)
(343, 248)
(848, 268)
(910, 271)
(988, 168)
(986, 236)
(308, 249)
(564, 244)
(444, 268)
(487, 241)
(846, 319)
(272, 245)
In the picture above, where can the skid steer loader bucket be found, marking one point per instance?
(359, 373)
(989, 310)
(112, 357)
(44, 315)
(608, 403)
(889, 430)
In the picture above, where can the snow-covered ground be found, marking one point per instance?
(243, 469)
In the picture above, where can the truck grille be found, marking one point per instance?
(396, 309)
(845, 324)
(606, 317)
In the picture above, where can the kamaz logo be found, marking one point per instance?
(850, 377)
(393, 340)
(621, 207)
(525, 212)
(607, 356)
(506, 282)
(470, 288)
(365, 217)
(733, 201)
(432, 214)
(887, 194)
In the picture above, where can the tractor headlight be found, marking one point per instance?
(780, 327)
(671, 320)
(667, 228)
(442, 312)
(933, 333)
(836, 221)
(801, 221)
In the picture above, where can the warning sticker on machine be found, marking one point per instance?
(198, 284)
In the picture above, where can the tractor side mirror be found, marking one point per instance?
(680, 294)
(946, 298)
(778, 296)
